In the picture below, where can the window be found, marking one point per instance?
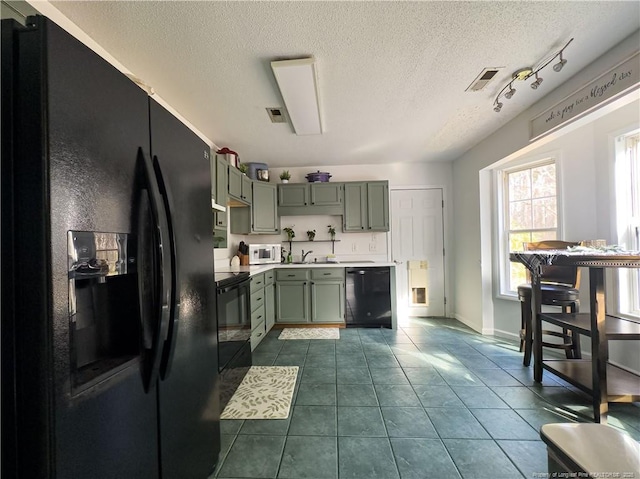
(628, 215)
(530, 213)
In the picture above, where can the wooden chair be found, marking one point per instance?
(559, 287)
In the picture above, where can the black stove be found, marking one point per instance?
(224, 280)
(234, 330)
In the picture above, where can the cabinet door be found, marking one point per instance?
(326, 194)
(247, 191)
(378, 206)
(222, 181)
(235, 182)
(355, 199)
(292, 302)
(293, 194)
(269, 306)
(327, 301)
(264, 208)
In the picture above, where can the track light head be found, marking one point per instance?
(559, 66)
(510, 93)
(498, 107)
(536, 83)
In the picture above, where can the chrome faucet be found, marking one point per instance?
(304, 255)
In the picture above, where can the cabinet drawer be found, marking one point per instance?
(257, 300)
(269, 277)
(257, 335)
(292, 274)
(327, 273)
(257, 317)
(257, 282)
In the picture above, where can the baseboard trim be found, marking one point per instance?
(468, 323)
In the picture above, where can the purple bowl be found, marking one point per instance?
(318, 177)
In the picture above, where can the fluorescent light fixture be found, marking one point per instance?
(298, 85)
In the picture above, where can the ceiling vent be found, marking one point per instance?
(277, 115)
(483, 79)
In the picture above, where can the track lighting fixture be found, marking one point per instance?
(527, 72)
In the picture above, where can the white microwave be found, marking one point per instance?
(264, 253)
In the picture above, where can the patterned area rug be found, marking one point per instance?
(264, 393)
(310, 333)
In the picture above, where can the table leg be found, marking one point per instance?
(599, 348)
(537, 327)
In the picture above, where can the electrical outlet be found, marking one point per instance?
(354, 247)
(372, 247)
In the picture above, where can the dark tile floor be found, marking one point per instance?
(431, 400)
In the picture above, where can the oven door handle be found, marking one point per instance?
(233, 287)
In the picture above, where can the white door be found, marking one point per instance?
(417, 246)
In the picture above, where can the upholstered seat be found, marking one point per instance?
(558, 287)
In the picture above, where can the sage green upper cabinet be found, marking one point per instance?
(235, 183)
(296, 194)
(260, 217)
(264, 208)
(326, 194)
(366, 206)
(299, 199)
(247, 189)
(355, 198)
(222, 179)
(378, 205)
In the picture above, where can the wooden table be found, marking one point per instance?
(597, 377)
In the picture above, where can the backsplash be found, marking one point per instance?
(348, 246)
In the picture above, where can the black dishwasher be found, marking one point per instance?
(368, 294)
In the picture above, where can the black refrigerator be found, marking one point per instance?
(109, 346)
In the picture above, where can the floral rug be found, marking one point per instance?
(264, 393)
(310, 333)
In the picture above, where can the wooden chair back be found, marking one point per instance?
(567, 275)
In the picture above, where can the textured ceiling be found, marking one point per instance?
(392, 75)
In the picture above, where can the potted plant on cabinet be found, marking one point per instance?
(285, 176)
(243, 168)
(311, 234)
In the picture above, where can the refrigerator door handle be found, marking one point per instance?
(163, 286)
(170, 339)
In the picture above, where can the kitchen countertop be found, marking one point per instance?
(261, 268)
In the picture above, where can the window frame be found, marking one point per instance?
(626, 279)
(502, 208)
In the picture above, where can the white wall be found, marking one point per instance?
(585, 150)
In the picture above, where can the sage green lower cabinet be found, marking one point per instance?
(327, 301)
(269, 306)
(292, 302)
(269, 299)
(258, 314)
(314, 295)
